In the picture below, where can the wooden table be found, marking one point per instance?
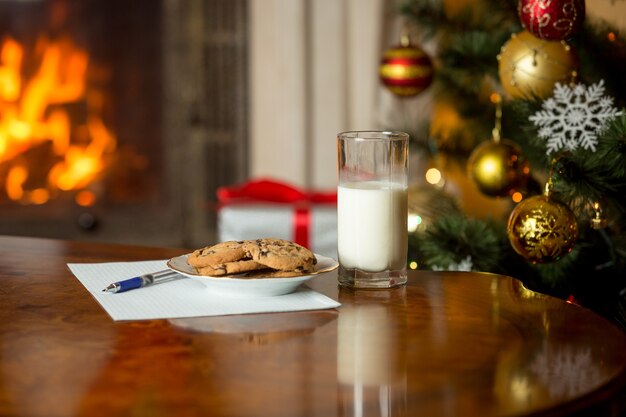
(448, 344)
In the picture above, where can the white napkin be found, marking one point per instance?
(183, 297)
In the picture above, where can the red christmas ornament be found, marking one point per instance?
(406, 70)
(552, 20)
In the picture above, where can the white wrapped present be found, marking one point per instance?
(266, 208)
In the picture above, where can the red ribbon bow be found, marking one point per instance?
(277, 192)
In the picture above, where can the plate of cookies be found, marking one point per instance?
(258, 268)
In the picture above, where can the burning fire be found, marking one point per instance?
(52, 136)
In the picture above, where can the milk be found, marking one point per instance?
(372, 225)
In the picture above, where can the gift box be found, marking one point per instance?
(266, 208)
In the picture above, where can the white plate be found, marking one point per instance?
(250, 287)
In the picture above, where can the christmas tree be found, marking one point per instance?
(536, 93)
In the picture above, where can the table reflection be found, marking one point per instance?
(549, 367)
(566, 371)
(371, 355)
(226, 349)
(38, 356)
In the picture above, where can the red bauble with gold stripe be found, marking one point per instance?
(406, 70)
(552, 20)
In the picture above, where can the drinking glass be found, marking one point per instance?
(372, 201)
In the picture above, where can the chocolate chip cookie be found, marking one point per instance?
(230, 268)
(280, 254)
(260, 258)
(272, 273)
(220, 253)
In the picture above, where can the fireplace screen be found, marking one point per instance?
(105, 120)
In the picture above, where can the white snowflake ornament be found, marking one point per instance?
(574, 117)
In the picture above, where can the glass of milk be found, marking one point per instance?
(372, 208)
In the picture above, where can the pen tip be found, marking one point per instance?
(111, 288)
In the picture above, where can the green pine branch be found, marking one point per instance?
(451, 239)
(584, 177)
(601, 50)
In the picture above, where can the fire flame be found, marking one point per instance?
(35, 119)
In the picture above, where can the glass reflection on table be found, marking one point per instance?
(371, 364)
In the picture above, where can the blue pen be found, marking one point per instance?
(141, 281)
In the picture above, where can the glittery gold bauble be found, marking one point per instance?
(542, 229)
(498, 168)
(406, 70)
(530, 67)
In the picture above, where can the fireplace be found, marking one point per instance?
(119, 119)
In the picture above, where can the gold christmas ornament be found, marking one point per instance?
(542, 229)
(530, 67)
(498, 166)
